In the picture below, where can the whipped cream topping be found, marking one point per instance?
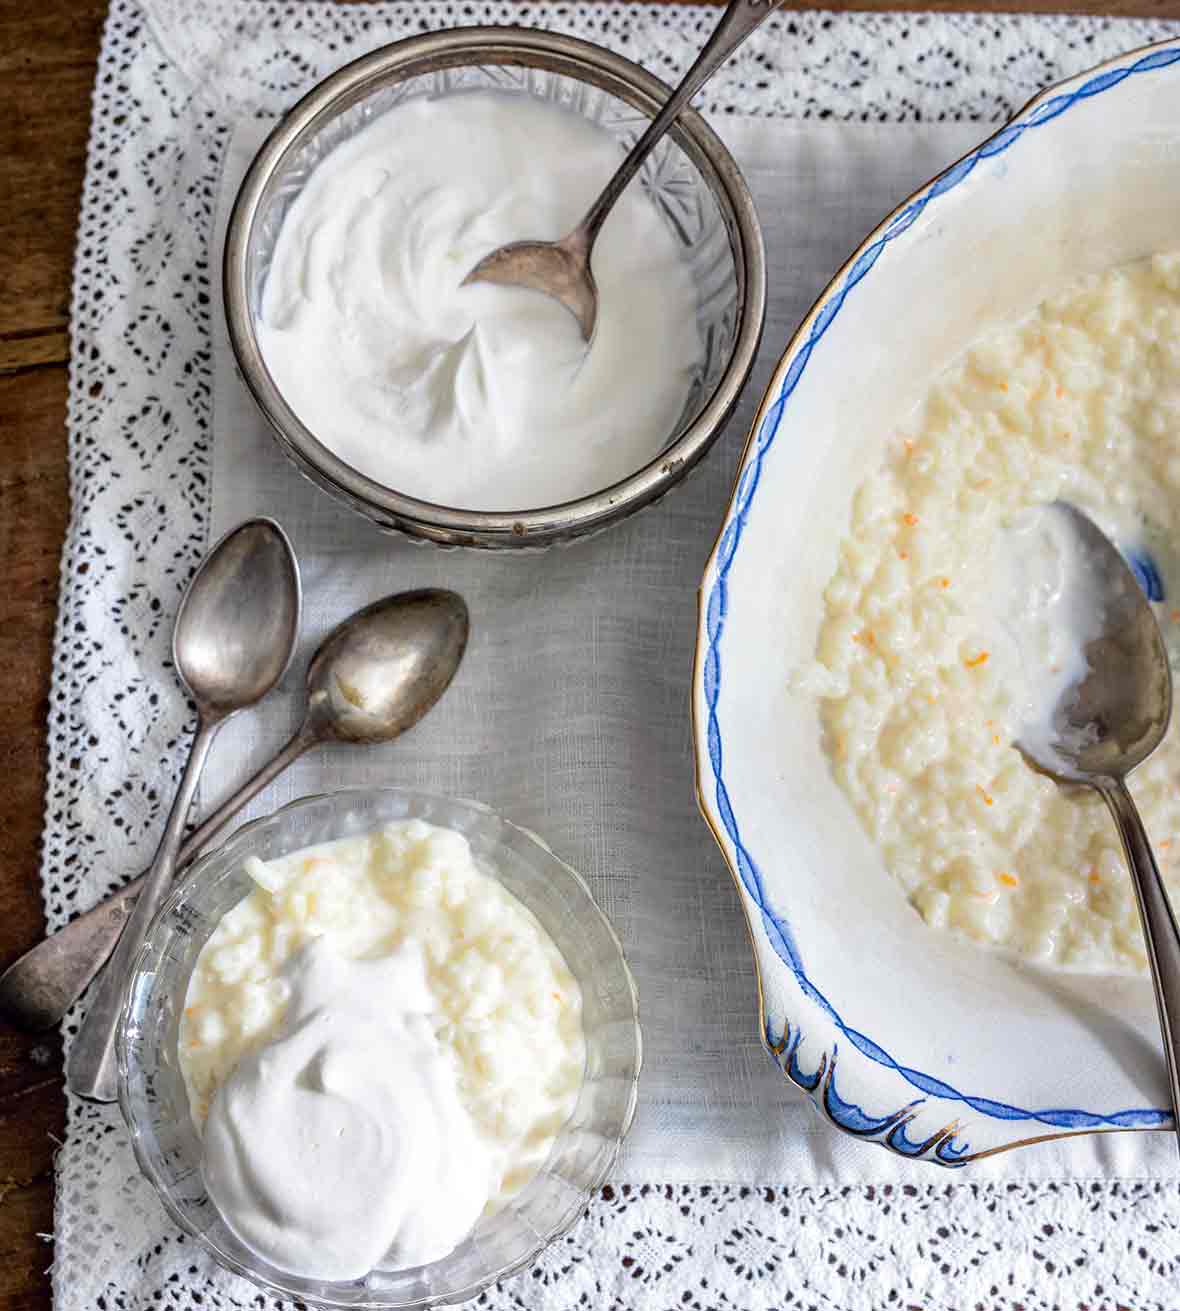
(382, 1045)
(481, 397)
(1041, 615)
(342, 1146)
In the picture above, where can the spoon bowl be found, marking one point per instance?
(378, 673)
(1110, 722)
(225, 663)
(560, 269)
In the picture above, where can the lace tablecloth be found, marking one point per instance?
(174, 79)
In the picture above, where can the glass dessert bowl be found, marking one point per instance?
(155, 1103)
(691, 180)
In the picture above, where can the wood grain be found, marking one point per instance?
(48, 50)
(33, 507)
(47, 57)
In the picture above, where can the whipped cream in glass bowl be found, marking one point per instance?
(475, 416)
(408, 974)
(482, 397)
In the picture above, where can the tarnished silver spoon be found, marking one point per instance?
(561, 269)
(374, 676)
(233, 640)
(1106, 725)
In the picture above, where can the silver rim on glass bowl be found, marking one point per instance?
(154, 1101)
(439, 54)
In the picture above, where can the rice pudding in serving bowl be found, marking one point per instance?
(915, 673)
(380, 1049)
(475, 415)
(1013, 323)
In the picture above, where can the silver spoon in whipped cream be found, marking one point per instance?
(561, 269)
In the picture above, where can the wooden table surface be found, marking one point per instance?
(47, 60)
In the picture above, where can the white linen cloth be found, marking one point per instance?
(570, 714)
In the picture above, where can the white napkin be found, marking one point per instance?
(571, 711)
(174, 79)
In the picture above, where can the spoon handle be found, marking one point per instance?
(1160, 930)
(91, 1068)
(39, 987)
(741, 17)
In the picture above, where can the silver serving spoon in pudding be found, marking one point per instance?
(1105, 724)
(234, 637)
(561, 269)
(373, 677)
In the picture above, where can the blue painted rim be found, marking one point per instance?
(777, 929)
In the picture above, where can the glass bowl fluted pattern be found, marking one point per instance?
(155, 1104)
(690, 177)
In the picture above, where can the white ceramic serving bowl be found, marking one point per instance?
(936, 1048)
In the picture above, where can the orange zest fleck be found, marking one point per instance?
(903, 555)
(931, 698)
(909, 519)
(909, 446)
(996, 738)
(976, 661)
(1008, 880)
(987, 801)
(1165, 844)
(1060, 392)
(1095, 877)
(1003, 386)
(944, 582)
(865, 636)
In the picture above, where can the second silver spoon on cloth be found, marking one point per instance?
(233, 640)
(373, 677)
(1105, 726)
(561, 269)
